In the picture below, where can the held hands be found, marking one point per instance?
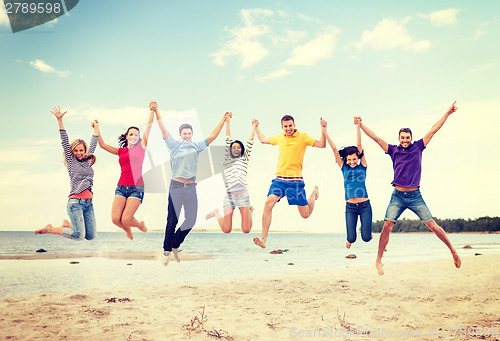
(322, 123)
(57, 113)
(95, 125)
(153, 106)
(357, 121)
(228, 115)
(452, 109)
(255, 122)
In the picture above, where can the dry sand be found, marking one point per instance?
(419, 299)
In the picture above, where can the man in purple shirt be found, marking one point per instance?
(407, 165)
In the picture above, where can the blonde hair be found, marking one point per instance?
(86, 157)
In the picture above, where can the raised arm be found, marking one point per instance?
(339, 160)
(322, 141)
(213, 135)
(68, 155)
(357, 122)
(59, 116)
(94, 139)
(228, 124)
(374, 137)
(153, 106)
(262, 138)
(255, 123)
(439, 124)
(102, 144)
(147, 130)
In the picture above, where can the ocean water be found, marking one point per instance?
(232, 255)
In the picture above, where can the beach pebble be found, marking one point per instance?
(291, 264)
(129, 263)
(41, 250)
(467, 246)
(278, 252)
(74, 262)
(478, 254)
(351, 256)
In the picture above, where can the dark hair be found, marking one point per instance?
(185, 126)
(231, 147)
(122, 139)
(346, 151)
(404, 130)
(287, 118)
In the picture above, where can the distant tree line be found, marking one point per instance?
(483, 224)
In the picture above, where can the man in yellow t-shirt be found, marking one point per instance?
(288, 182)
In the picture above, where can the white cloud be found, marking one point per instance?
(481, 68)
(250, 15)
(388, 66)
(289, 37)
(273, 75)
(478, 34)
(316, 49)
(390, 34)
(22, 155)
(4, 19)
(444, 17)
(308, 18)
(244, 41)
(42, 66)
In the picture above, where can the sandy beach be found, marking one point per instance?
(420, 300)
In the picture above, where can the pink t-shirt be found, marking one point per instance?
(131, 160)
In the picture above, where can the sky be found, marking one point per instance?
(396, 64)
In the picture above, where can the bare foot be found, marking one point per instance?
(456, 259)
(380, 267)
(211, 214)
(143, 227)
(46, 229)
(128, 232)
(316, 192)
(348, 245)
(259, 242)
(66, 223)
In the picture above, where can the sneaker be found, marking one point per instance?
(176, 254)
(167, 257)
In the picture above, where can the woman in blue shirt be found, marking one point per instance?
(352, 163)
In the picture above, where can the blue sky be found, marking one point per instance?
(397, 64)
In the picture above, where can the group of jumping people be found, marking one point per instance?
(184, 153)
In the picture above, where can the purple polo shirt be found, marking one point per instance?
(407, 163)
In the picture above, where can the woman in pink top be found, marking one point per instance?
(130, 190)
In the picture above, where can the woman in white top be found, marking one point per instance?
(235, 177)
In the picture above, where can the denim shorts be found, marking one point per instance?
(412, 200)
(237, 200)
(293, 190)
(130, 192)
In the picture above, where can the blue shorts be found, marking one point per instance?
(294, 191)
(412, 200)
(236, 200)
(130, 192)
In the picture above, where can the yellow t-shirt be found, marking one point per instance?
(292, 150)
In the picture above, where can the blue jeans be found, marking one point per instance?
(413, 200)
(364, 211)
(180, 195)
(81, 214)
